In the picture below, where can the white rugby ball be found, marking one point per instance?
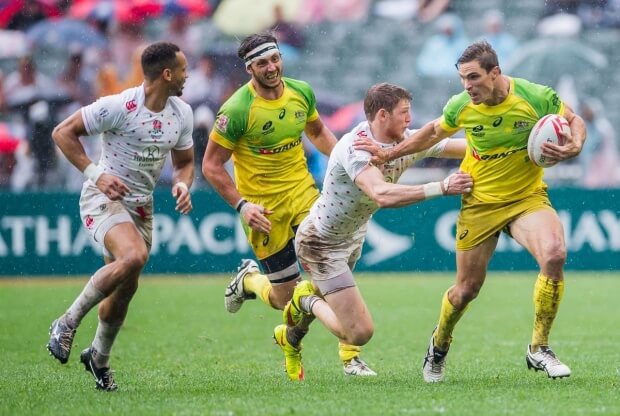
(546, 130)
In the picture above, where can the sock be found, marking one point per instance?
(347, 352)
(547, 296)
(102, 344)
(258, 284)
(294, 334)
(306, 303)
(448, 317)
(89, 297)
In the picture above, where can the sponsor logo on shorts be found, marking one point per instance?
(463, 234)
(265, 241)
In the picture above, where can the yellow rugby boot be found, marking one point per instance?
(292, 355)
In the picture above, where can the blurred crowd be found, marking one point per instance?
(58, 55)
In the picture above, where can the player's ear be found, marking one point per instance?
(167, 74)
(248, 69)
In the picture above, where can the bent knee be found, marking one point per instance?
(463, 294)
(554, 257)
(135, 260)
(361, 336)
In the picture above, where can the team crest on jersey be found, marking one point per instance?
(89, 222)
(221, 123)
(156, 131)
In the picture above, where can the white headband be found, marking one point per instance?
(261, 51)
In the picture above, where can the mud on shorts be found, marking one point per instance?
(327, 260)
(477, 221)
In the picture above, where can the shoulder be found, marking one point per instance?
(300, 87)
(457, 102)
(542, 98)
(239, 102)
(180, 105)
(454, 107)
(524, 87)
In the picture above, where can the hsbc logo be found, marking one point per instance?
(131, 105)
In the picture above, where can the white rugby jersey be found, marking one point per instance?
(136, 140)
(343, 208)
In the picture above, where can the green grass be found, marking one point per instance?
(180, 353)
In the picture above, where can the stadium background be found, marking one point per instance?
(341, 57)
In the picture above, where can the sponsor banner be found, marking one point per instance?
(41, 234)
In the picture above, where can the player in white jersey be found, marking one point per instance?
(329, 240)
(139, 128)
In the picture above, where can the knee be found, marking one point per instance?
(361, 336)
(554, 256)
(462, 294)
(134, 261)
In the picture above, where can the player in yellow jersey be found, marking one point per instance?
(497, 113)
(260, 127)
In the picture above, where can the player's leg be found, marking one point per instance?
(330, 264)
(276, 252)
(99, 215)
(128, 255)
(542, 234)
(471, 268)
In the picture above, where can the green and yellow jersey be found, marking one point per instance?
(497, 136)
(265, 137)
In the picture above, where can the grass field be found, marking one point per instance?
(181, 353)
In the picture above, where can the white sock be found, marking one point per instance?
(89, 297)
(102, 344)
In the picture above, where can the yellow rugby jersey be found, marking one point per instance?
(497, 136)
(265, 137)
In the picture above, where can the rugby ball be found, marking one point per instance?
(546, 130)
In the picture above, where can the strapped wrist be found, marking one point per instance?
(432, 190)
(93, 172)
(240, 204)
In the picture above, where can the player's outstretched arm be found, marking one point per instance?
(321, 137)
(454, 149)
(430, 134)
(182, 178)
(391, 195)
(573, 143)
(66, 135)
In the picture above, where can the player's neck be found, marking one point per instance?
(268, 93)
(155, 98)
(502, 91)
(380, 135)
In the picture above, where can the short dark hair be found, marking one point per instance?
(254, 40)
(480, 51)
(383, 95)
(157, 57)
